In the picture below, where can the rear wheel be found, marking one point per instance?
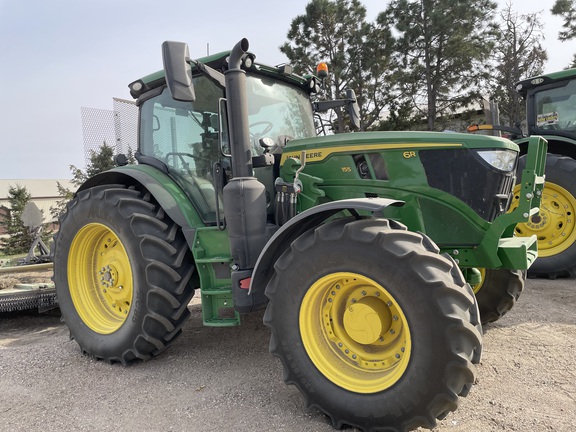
(555, 224)
(373, 325)
(498, 292)
(122, 272)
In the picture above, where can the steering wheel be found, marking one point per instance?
(268, 127)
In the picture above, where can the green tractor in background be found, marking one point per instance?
(361, 246)
(551, 113)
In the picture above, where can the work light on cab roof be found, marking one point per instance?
(322, 70)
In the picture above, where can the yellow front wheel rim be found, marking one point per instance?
(100, 278)
(355, 332)
(554, 225)
(477, 287)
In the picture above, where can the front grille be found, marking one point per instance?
(465, 175)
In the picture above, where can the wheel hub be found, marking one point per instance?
(366, 320)
(108, 276)
(536, 219)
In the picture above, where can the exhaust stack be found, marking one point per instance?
(244, 195)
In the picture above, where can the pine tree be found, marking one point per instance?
(567, 10)
(441, 48)
(18, 238)
(336, 32)
(100, 161)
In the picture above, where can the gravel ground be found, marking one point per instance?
(215, 379)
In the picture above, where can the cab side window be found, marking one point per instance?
(185, 137)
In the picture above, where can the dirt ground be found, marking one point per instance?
(224, 379)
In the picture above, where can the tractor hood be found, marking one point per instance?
(320, 148)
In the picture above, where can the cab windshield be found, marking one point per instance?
(556, 108)
(278, 111)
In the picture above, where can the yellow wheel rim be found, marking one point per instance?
(554, 225)
(477, 287)
(100, 278)
(355, 332)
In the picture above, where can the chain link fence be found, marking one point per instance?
(118, 128)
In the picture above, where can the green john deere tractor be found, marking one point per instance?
(359, 245)
(551, 113)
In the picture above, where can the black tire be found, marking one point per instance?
(432, 353)
(122, 271)
(555, 225)
(498, 292)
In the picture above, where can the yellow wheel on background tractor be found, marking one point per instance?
(555, 224)
(373, 325)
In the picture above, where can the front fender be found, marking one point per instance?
(281, 240)
(166, 192)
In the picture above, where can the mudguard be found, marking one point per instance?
(287, 233)
(168, 194)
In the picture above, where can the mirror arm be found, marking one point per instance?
(323, 106)
(211, 73)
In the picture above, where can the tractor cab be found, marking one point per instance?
(186, 139)
(190, 139)
(552, 104)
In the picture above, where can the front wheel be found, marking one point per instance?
(122, 271)
(498, 292)
(555, 224)
(373, 326)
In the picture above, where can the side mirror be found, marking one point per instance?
(175, 56)
(353, 108)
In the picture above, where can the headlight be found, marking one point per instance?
(504, 160)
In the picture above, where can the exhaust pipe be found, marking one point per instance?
(237, 106)
(244, 195)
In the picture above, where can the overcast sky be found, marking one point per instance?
(60, 55)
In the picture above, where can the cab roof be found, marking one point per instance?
(544, 79)
(219, 61)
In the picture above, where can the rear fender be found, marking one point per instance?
(164, 190)
(281, 240)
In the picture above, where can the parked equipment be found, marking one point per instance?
(360, 245)
(30, 296)
(27, 296)
(551, 113)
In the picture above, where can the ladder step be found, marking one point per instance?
(218, 308)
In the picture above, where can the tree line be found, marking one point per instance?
(420, 61)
